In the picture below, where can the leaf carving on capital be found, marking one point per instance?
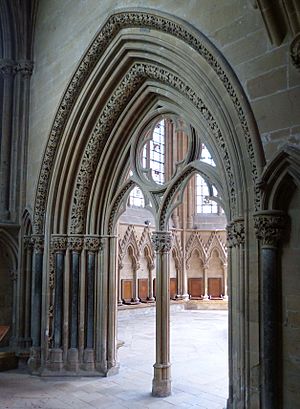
(7, 68)
(59, 242)
(269, 228)
(235, 233)
(92, 243)
(38, 243)
(25, 68)
(162, 242)
(113, 25)
(75, 243)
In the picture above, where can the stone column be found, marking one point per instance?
(161, 385)
(101, 305)
(120, 266)
(91, 245)
(182, 278)
(111, 258)
(205, 281)
(225, 266)
(151, 267)
(237, 315)
(269, 226)
(56, 282)
(75, 244)
(36, 303)
(28, 247)
(135, 296)
(7, 72)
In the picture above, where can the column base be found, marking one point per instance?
(161, 384)
(73, 362)
(182, 297)
(89, 359)
(161, 387)
(56, 360)
(34, 361)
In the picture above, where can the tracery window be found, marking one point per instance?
(154, 152)
(203, 204)
(136, 198)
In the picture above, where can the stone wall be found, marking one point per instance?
(6, 290)
(65, 29)
(291, 309)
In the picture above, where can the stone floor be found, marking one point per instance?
(199, 369)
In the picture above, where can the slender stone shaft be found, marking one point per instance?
(161, 385)
(269, 226)
(58, 303)
(90, 291)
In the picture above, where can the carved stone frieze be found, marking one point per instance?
(59, 242)
(269, 227)
(295, 51)
(92, 243)
(162, 241)
(38, 243)
(113, 25)
(75, 243)
(7, 68)
(25, 67)
(235, 233)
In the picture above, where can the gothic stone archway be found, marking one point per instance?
(122, 81)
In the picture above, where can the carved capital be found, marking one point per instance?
(295, 51)
(75, 243)
(92, 243)
(235, 233)
(25, 67)
(59, 242)
(162, 241)
(7, 68)
(28, 244)
(269, 227)
(38, 243)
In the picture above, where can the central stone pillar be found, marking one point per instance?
(269, 226)
(162, 368)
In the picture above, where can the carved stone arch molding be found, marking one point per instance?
(90, 72)
(122, 79)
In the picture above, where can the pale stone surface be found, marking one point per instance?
(199, 370)
(65, 29)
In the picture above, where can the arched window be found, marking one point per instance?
(203, 204)
(154, 152)
(136, 198)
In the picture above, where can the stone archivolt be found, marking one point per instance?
(113, 25)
